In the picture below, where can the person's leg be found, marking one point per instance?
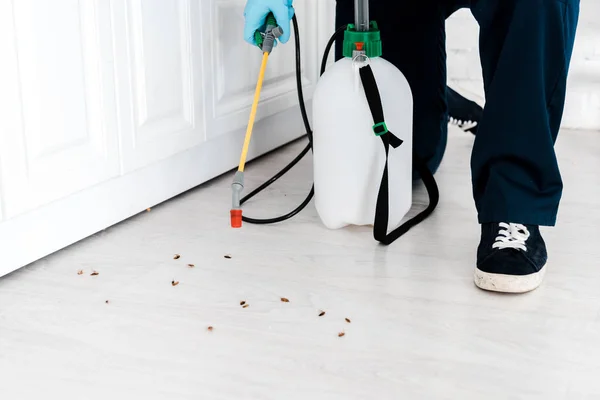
(525, 48)
(525, 51)
(414, 41)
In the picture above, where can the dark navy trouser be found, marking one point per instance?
(525, 50)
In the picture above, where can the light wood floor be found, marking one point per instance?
(419, 328)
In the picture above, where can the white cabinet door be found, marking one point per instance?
(57, 101)
(159, 51)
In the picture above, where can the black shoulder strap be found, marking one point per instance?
(389, 139)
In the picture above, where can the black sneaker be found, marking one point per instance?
(463, 112)
(466, 125)
(510, 258)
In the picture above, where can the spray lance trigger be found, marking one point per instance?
(266, 40)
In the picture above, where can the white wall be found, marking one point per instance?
(582, 110)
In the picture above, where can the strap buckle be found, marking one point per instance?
(380, 129)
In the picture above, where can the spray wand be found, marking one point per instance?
(265, 41)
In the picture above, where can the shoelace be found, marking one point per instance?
(511, 236)
(464, 125)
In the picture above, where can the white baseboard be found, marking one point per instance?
(30, 237)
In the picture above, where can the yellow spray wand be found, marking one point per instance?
(259, 83)
(266, 42)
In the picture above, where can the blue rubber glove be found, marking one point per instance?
(256, 12)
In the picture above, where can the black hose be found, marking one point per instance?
(308, 147)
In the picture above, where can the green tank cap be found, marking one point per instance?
(371, 41)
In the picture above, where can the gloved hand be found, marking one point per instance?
(256, 12)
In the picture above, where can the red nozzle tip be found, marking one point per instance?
(236, 218)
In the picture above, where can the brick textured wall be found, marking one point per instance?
(582, 109)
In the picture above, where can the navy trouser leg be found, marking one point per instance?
(525, 48)
(414, 38)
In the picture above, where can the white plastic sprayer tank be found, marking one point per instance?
(348, 157)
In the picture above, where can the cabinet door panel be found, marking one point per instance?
(57, 115)
(160, 78)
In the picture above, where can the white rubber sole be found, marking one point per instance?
(509, 283)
